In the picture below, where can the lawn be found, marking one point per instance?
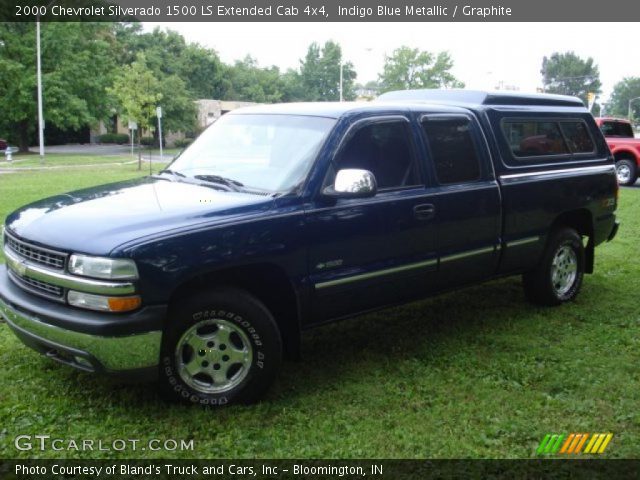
(56, 160)
(59, 160)
(478, 373)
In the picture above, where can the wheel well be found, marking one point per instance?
(582, 221)
(269, 284)
(625, 155)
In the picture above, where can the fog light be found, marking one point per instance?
(103, 304)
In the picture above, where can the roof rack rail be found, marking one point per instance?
(476, 97)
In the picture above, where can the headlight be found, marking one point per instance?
(99, 267)
(104, 304)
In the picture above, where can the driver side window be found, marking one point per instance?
(385, 150)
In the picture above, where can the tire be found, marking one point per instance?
(558, 277)
(626, 172)
(219, 347)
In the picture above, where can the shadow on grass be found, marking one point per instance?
(426, 329)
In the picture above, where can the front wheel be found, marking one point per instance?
(219, 347)
(558, 277)
(626, 171)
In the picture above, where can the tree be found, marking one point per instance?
(247, 81)
(568, 74)
(183, 72)
(292, 88)
(628, 88)
(167, 53)
(408, 68)
(77, 65)
(202, 72)
(178, 108)
(137, 92)
(320, 74)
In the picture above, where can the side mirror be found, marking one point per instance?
(352, 183)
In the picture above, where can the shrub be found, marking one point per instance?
(147, 141)
(183, 142)
(119, 138)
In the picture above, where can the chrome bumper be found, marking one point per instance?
(82, 350)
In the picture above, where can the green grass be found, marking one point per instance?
(476, 373)
(167, 153)
(57, 160)
(62, 160)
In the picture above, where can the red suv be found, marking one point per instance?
(624, 146)
(3, 144)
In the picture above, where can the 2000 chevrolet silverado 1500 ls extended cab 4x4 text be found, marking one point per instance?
(283, 217)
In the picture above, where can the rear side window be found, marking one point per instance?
(536, 138)
(577, 137)
(452, 149)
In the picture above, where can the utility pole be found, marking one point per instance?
(159, 116)
(39, 75)
(341, 68)
(39, 80)
(629, 112)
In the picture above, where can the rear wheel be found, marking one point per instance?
(558, 277)
(626, 171)
(219, 347)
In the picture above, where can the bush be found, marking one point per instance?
(119, 138)
(147, 141)
(182, 143)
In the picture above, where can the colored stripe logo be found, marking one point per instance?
(574, 443)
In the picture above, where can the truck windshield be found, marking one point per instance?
(265, 152)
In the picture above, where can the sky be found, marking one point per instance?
(485, 55)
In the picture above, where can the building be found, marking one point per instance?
(208, 111)
(211, 110)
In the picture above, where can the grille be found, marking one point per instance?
(38, 287)
(37, 255)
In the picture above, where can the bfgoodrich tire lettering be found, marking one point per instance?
(219, 347)
(558, 277)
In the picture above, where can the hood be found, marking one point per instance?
(96, 220)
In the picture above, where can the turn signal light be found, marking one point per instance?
(124, 304)
(102, 303)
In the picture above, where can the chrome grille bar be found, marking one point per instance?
(27, 269)
(42, 256)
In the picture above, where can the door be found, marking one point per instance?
(467, 203)
(369, 252)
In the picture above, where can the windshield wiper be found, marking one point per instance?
(172, 172)
(227, 182)
(169, 172)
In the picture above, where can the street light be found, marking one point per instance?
(341, 67)
(39, 74)
(368, 49)
(39, 78)
(629, 113)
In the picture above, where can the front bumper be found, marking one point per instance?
(90, 341)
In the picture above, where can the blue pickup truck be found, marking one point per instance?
(283, 217)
